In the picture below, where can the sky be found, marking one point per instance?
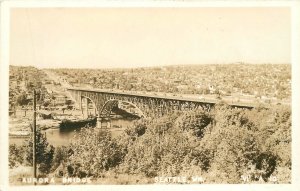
(146, 37)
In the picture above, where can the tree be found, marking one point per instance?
(44, 152)
(46, 103)
(22, 99)
(232, 149)
(195, 121)
(69, 102)
(93, 153)
(60, 157)
(16, 154)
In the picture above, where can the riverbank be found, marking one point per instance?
(20, 128)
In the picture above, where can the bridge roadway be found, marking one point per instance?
(166, 96)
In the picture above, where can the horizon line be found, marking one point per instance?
(159, 66)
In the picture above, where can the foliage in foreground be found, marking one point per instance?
(223, 146)
(23, 155)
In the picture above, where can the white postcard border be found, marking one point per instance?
(5, 10)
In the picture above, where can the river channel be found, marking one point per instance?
(56, 137)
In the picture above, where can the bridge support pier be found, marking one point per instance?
(77, 98)
(80, 105)
(85, 111)
(99, 123)
(103, 123)
(95, 110)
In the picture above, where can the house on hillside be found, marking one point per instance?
(60, 99)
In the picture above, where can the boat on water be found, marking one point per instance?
(67, 124)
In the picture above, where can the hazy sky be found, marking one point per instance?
(131, 37)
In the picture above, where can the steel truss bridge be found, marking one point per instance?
(104, 101)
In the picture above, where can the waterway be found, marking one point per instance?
(56, 137)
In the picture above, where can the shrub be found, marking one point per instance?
(44, 152)
(194, 121)
(233, 149)
(93, 153)
(16, 155)
(61, 155)
(222, 146)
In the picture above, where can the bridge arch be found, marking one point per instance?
(111, 104)
(88, 100)
(151, 105)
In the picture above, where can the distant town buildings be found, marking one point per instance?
(263, 82)
(60, 99)
(272, 81)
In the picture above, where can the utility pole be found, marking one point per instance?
(34, 134)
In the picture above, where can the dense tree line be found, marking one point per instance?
(223, 146)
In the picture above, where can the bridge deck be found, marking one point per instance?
(167, 97)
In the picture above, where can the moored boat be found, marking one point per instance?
(73, 124)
